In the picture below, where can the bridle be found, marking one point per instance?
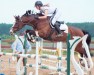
(19, 23)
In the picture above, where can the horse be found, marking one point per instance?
(46, 32)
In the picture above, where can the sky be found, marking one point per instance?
(73, 10)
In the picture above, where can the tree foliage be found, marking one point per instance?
(88, 26)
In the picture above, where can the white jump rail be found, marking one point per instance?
(18, 55)
(76, 65)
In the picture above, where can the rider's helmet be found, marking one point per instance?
(38, 3)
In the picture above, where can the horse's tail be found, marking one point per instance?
(88, 38)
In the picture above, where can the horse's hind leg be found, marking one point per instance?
(81, 60)
(86, 61)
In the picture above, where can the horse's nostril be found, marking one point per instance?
(11, 32)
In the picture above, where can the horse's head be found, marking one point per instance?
(20, 22)
(17, 25)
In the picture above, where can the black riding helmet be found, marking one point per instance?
(38, 3)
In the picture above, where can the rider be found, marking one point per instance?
(46, 10)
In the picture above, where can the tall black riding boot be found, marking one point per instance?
(58, 29)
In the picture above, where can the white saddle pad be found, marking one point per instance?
(64, 27)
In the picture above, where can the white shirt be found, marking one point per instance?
(18, 45)
(50, 10)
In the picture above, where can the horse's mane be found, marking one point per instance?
(29, 12)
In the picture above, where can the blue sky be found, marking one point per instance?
(73, 10)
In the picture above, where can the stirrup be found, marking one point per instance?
(60, 22)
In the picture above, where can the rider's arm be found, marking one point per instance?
(47, 5)
(45, 15)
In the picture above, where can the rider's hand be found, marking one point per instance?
(36, 17)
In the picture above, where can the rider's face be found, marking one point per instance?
(38, 7)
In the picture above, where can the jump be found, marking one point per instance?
(46, 32)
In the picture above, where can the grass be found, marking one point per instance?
(34, 51)
(7, 51)
(44, 52)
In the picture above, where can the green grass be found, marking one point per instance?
(7, 51)
(44, 52)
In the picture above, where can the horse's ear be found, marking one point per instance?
(18, 16)
(15, 17)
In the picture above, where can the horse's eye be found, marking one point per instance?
(16, 23)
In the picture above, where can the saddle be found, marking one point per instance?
(49, 18)
(61, 24)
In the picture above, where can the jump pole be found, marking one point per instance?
(68, 53)
(37, 54)
(25, 59)
(37, 46)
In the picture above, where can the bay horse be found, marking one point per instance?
(46, 32)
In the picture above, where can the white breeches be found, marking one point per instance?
(57, 16)
(64, 27)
